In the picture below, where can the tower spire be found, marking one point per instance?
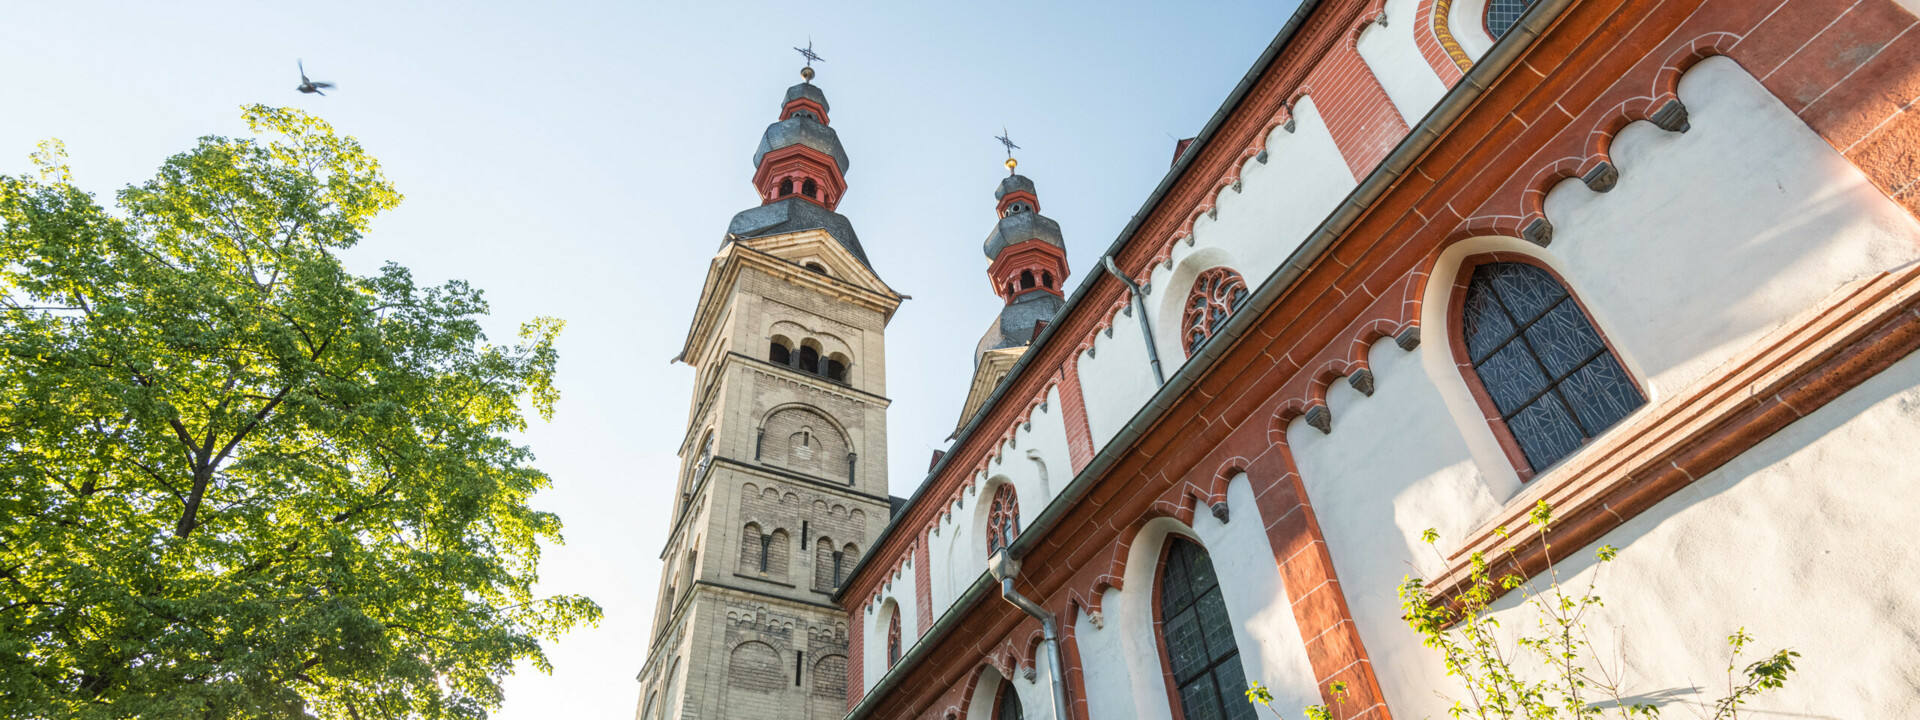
(1029, 261)
(799, 170)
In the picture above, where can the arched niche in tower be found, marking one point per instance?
(803, 439)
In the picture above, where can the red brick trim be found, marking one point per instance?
(1436, 43)
(922, 587)
(1073, 409)
(1457, 345)
(1853, 335)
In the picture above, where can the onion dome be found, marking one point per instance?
(800, 174)
(1029, 268)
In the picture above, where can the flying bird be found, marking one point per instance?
(309, 86)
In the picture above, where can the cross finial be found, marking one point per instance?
(1002, 137)
(806, 73)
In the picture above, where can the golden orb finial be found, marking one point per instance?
(1011, 164)
(806, 73)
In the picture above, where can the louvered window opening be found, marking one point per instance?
(1199, 638)
(1540, 360)
(1216, 294)
(1003, 519)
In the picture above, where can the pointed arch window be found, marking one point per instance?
(1026, 279)
(1502, 14)
(1198, 636)
(1216, 293)
(1538, 362)
(1003, 518)
(893, 637)
(1009, 702)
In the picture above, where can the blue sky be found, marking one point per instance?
(581, 160)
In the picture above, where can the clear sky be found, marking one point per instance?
(582, 160)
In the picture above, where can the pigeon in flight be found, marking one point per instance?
(309, 86)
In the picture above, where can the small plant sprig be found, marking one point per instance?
(1554, 671)
(1258, 694)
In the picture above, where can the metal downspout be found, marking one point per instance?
(1004, 569)
(1146, 327)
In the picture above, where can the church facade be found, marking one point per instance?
(1654, 263)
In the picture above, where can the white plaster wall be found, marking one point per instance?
(1468, 23)
(1278, 205)
(1104, 671)
(1801, 540)
(1035, 696)
(1394, 58)
(1121, 662)
(1037, 464)
(1116, 379)
(1392, 467)
(901, 592)
(1716, 236)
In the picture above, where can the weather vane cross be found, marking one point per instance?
(1002, 137)
(808, 53)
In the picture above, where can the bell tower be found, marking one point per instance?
(1028, 270)
(782, 483)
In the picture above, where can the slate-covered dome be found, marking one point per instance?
(801, 130)
(1014, 326)
(793, 214)
(809, 91)
(1021, 227)
(1014, 183)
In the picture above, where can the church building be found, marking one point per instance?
(1433, 263)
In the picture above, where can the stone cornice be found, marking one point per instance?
(851, 282)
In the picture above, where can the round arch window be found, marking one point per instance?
(1003, 518)
(1216, 294)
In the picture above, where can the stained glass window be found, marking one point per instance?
(1502, 14)
(893, 637)
(1199, 637)
(1215, 295)
(1009, 703)
(1553, 380)
(1003, 518)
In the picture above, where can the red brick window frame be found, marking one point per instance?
(1477, 298)
(893, 637)
(1207, 654)
(1003, 518)
(1216, 293)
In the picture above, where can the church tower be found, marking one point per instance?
(782, 482)
(1028, 271)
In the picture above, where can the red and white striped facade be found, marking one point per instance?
(1728, 189)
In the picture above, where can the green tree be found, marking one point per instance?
(237, 480)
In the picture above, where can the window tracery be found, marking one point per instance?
(1216, 293)
(1003, 518)
(1540, 362)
